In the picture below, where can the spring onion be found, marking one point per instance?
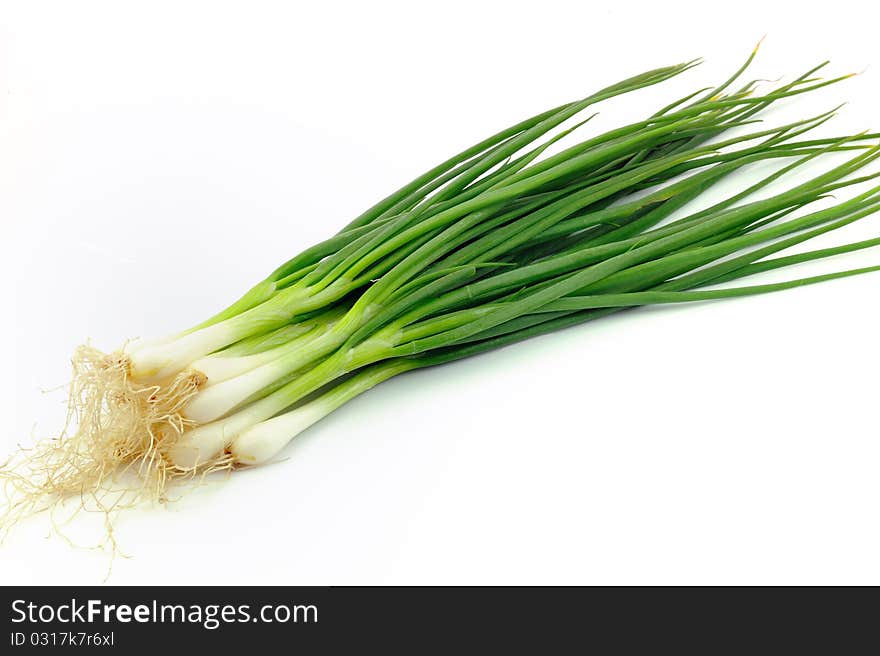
(500, 243)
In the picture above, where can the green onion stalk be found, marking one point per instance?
(505, 241)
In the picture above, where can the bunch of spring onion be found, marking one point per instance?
(497, 244)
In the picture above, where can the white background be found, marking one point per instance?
(158, 158)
